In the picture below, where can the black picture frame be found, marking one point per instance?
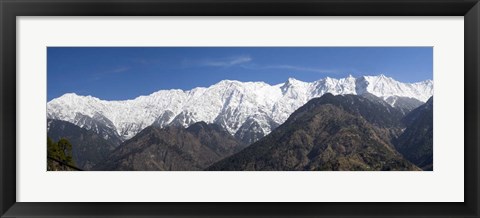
(10, 9)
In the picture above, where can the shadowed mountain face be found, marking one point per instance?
(329, 133)
(88, 147)
(416, 142)
(405, 104)
(173, 148)
(252, 130)
(216, 138)
(371, 108)
(100, 125)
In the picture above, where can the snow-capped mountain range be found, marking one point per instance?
(238, 107)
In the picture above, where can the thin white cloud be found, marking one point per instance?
(295, 68)
(246, 62)
(225, 62)
(145, 61)
(118, 70)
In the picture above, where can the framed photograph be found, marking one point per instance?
(239, 109)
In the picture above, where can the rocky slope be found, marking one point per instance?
(328, 133)
(416, 142)
(173, 148)
(88, 147)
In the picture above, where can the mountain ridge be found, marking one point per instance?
(227, 103)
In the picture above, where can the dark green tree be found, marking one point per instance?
(65, 151)
(60, 151)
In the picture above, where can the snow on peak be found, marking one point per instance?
(70, 95)
(292, 80)
(228, 103)
(384, 87)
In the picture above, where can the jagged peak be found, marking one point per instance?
(207, 104)
(292, 83)
(228, 82)
(383, 76)
(75, 96)
(378, 77)
(160, 92)
(71, 94)
(292, 80)
(427, 82)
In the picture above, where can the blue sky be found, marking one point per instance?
(118, 73)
